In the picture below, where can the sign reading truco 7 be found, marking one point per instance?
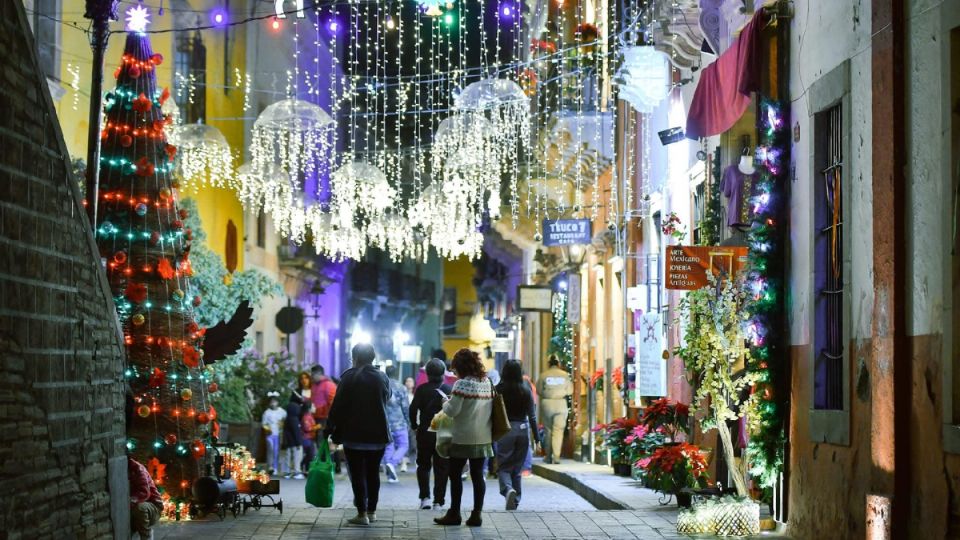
(566, 232)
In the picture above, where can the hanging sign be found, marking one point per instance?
(651, 368)
(687, 266)
(573, 298)
(566, 232)
(501, 345)
(532, 298)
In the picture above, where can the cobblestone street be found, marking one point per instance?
(548, 510)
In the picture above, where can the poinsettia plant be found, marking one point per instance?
(617, 378)
(674, 467)
(668, 416)
(596, 380)
(642, 441)
(614, 435)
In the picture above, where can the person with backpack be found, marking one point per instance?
(427, 402)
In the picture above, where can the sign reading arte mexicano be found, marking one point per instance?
(566, 232)
(687, 266)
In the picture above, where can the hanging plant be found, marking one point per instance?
(673, 228)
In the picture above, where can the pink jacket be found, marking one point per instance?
(448, 378)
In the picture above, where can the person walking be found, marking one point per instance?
(358, 421)
(471, 407)
(528, 462)
(309, 427)
(426, 403)
(409, 385)
(322, 391)
(512, 448)
(555, 387)
(292, 442)
(398, 420)
(448, 376)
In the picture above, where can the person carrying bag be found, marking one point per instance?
(320, 478)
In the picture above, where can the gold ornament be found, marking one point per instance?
(186, 394)
(138, 319)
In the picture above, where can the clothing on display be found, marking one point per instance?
(738, 187)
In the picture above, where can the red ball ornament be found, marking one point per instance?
(183, 213)
(177, 224)
(143, 411)
(157, 378)
(134, 71)
(120, 257)
(157, 59)
(198, 449)
(203, 418)
(197, 301)
(155, 238)
(212, 388)
(170, 439)
(126, 141)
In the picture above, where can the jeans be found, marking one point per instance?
(476, 478)
(398, 448)
(528, 461)
(292, 458)
(309, 452)
(364, 478)
(511, 453)
(427, 456)
(143, 517)
(273, 451)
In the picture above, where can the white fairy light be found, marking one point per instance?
(203, 156)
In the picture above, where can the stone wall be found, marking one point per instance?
(62, 462)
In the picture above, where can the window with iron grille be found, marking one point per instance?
(46, 33)
(190, 65)
(828, 337)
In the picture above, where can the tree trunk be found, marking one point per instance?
(738, 477)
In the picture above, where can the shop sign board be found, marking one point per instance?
(573, 298)
(501, 345)
(409, 354)
(533, 298)
(566, 232)
(688, 266)
(651, 368)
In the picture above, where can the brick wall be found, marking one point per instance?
(61, 353)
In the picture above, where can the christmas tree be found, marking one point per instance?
(141, 235)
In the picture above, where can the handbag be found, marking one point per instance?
(442, 425)
(320, 479)
(500, 424)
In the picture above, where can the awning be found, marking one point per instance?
(723, 93)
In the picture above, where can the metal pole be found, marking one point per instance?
(101, 12)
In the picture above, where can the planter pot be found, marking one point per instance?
(720, 517)
(622, 469)
(684, 499)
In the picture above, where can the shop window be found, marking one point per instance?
(449, 311)
(190, 65)
(830, 255)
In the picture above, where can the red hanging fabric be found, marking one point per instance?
(723, 93)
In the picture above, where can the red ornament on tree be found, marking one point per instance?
(191, 357)
(198, 449)
(183, 213)
(203, 418)
(165, 269)
(120, 257)
(158, 378)
(144, 167)
(157, 59)
(142, 103)
(136, 292)
(134, 71)
(197, 301)
(171, 151)
(154, 238)
(212, 388)
(170, 439)
(126, 141)
(116, 73)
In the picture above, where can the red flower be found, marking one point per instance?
(597, 375)
(144, 167)
(191, 357)
(142, 103)
(165, 269)
(136, 292)
(617, 378)
(171, 151)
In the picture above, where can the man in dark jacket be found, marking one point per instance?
(427, 401)
(358, 421)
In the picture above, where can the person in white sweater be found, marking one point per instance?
(471, 407)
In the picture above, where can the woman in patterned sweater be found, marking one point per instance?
(471, 407)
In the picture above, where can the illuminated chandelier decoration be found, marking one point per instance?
(464, 148)
(450, 217)
(360, 190)
(271, 191)
(507, 107)
(203, 157)
(643, 77)
(295, 135)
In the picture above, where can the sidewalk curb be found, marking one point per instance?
(598, 499)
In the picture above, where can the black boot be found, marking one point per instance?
(450, 518)
(475, 519)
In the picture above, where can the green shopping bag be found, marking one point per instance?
(319, 489)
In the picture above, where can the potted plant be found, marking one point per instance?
(667, 416)
(671, 468)
(614, 435)
(641, 443)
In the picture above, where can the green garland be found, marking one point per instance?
(713, 216)
(561, 342)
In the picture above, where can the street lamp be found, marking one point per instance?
(316, 293)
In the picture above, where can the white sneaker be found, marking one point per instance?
(359, 519)
(437, 507)
(403, 467)
(425, 504)
(372, 516)
(391, 473)
(299, 476)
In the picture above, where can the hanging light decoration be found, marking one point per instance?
(203, 156)
(295, 135)
(271, 191)
(643, 77)
(448, 215)
(464, 148)
(360, 190)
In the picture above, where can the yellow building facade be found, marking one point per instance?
(220, 52)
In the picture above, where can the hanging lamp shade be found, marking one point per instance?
(295, 135)
(643, 78)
